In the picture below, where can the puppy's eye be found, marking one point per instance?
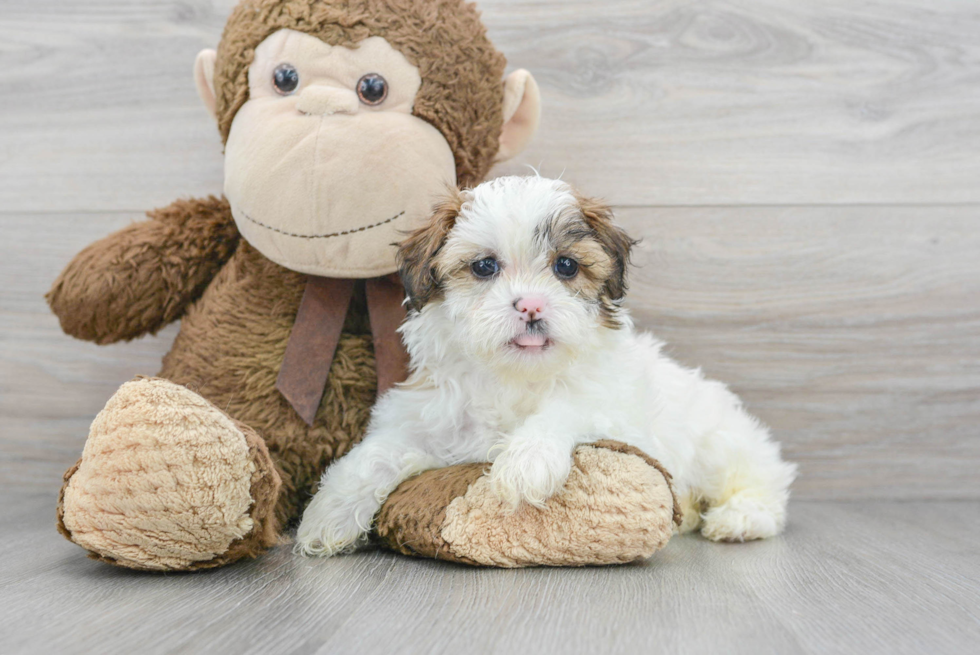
(286, 79)
(566, 268)
(485, 268)
(372, 89)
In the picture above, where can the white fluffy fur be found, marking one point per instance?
(473, 396)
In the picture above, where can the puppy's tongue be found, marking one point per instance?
(530, 340)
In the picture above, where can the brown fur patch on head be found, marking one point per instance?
(602, 249)
(572, 237)
(613, 239)
(417, 254)
(462, 88)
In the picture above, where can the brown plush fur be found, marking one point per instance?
(412, 517)
(462, 90)
(230, 349)
(144, 277)
(607, 513)
(265, 491)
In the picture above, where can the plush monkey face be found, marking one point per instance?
(338, 146)
(325, 165)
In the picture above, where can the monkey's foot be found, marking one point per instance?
(618, 506)
(168, 482)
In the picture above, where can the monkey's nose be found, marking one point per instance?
(317, 100)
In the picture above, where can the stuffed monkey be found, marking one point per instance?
(341, 121)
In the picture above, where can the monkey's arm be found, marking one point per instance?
(143, 277)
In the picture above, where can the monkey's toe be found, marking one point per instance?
(617, 506)
(169, 482)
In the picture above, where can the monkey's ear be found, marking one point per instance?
(417, 253)
(522, 112)
(204, 79)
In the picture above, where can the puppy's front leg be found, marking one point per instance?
(352, 490)
(534, 462)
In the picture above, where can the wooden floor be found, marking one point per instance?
(805, 177)
(864, 578)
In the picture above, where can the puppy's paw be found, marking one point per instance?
(529, 471)
(329, 529)
(744, 517)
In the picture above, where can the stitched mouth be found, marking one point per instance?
(329, 235)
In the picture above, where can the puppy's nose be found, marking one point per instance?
(531, 308)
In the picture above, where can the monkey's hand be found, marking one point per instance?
(143, 277)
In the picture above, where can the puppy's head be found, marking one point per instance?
(528, 272)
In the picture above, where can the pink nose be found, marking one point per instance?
(532, 307)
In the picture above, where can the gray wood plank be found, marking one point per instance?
(666, 102)
(853, 331)
(872, 577)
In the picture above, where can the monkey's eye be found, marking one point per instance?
(285, 78)
(372, 89)
(485, 268)
(566, 268)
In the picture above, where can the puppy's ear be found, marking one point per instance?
(417, 253)
(614, 240)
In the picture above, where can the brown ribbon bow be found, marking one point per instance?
(303, 377)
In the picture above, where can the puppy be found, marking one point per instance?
(521, 350)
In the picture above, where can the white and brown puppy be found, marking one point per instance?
(520, 351)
